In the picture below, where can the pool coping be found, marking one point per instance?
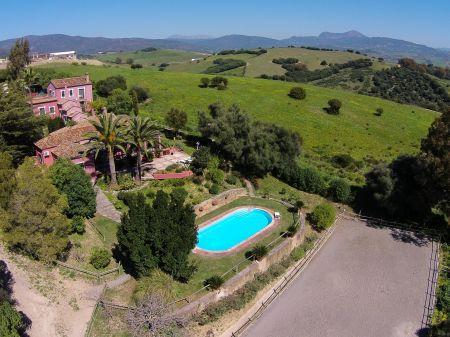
(245, 244)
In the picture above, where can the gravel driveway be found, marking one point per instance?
(365, 282)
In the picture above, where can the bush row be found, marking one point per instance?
(246, 293)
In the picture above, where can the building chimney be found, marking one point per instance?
(87, 77)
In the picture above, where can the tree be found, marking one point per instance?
(334, 105)
(141, 93)
(108, 136)
(7, 180)
(379, 112)
(118, 60)
(323, 63)
(141, 134)
(200, 160)
(129, 61)
(204, 82)
(322, 216)
(339, 190)
(134, 102)
(54, 124)
(19, 58)
(72, 181)
(297, 93)
(435, 151)
(153, 317)
(219, 82)
(119, 102)
(100, 258)
(105, 87)
(35, 223)
(11, 321)
(176, 119)
(161, 235)
(19, 128)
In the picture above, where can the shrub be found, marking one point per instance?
(219, 82)
(204, 82)
(310, 180)
(297, 93)
(105, 87)
(379, 112)
(339, 190)
(141, 93)
(214, 189)
(157, 282)
(215, 175)
(100, 258)
(342, 160)
(231, 179)
(214, 282)
(136, 66)
(125, 182)
(292, 229)
(334, 106)
(323, 63)
(322, 216)
(257, 252)
(77, 225)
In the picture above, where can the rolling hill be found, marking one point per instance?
(357, 131)
(385, 47)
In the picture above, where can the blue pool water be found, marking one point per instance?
(233, 229)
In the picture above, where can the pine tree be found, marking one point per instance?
(7, 179)
(35, 223)
(19, 128)
(19, 58)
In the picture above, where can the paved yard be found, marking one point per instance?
(365, 282)
(164, 161)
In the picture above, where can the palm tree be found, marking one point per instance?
(109, 136)
(140, 133)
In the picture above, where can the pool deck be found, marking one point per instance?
(245, 244)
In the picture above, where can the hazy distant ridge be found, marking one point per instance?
(378, 46)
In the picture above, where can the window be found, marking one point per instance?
(63, 93)
(42, 111)
(52, 110)
(71, 93)
(81, 93)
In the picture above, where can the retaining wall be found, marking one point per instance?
(219, 200)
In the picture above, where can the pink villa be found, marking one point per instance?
(70, 142)
(66, 98)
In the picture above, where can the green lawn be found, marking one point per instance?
(148, 58)
(356, 131)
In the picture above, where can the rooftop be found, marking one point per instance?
(42, 99)
(69, 141)
(71, 81)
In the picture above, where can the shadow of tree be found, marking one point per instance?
(423, 332)
(400, 234)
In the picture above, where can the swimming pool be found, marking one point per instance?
(233, 229)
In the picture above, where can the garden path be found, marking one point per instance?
(105, 208)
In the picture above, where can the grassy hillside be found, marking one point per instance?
(262, 64)
(356, 131)
(155, 57)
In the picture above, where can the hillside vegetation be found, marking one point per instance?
(262, 63)
(155, 57)
(356, 131)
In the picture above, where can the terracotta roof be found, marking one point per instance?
(71, 81)
(42, 99)
(69, 141)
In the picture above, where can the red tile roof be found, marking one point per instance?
(68, 142)
(42, 99)
(181, 175)
(71, 81)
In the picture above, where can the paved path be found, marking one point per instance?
(105, 207)
(250, 188)
(365, 282)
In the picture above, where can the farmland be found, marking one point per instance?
(356, 131)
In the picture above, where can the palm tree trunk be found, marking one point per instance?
(112, 167)
(139, 164)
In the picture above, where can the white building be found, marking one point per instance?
(68, 55)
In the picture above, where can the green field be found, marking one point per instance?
(155, 57)
(356, 131)
(262, 64)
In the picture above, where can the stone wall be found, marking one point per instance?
(219, 200)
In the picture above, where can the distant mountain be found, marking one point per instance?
(92, 45)
(189, 37)
(388, 48)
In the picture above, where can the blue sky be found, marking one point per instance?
(420, 21)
